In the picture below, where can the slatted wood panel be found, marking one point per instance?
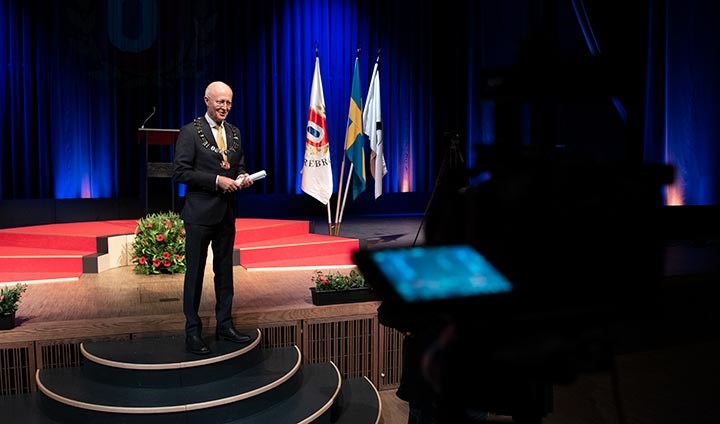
(350, 343)
(281, 335)
(17, 368)
(66, 352)
(390, 357)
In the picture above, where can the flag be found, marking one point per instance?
(372, 120)
(317, 180)
(354, 137)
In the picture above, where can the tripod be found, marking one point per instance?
(452, 159)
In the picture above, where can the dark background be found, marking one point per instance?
(609, 80)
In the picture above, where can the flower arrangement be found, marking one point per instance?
(159, 245)
(10, 298)
(337, 281)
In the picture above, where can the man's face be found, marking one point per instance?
(219, 103)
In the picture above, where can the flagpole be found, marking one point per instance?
(340, 184)
(330, 225)
(339, 210)
(342, 210)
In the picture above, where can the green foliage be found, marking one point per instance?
(10, 297)
(159, 245)
(337, 281)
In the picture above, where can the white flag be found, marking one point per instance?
(372, 121)
(317, 179)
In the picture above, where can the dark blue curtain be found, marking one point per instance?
(692, 95)
(78, 80)
(81, 78)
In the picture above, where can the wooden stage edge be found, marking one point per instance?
(120, 302)
(173, 324)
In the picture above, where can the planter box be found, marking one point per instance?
(7, 321)
(332, 297)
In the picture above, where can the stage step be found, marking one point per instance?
(343, 260)
(308, 249)
(64, 263)
(37, 277)
(93, 247)
(152, 380)
(356, 403)
(250, 230)
(359, 402)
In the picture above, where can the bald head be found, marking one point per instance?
(216, 87)
(218, 99)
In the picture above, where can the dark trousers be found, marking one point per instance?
(197, 239)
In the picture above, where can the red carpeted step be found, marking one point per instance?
(37, 277)
(88, 228)
(314, 262)
(270, 243)
(40, 252)
(35, 264)
(49, 241)
(256, 230)
(25, 259)
(308, 249)
(66, 236)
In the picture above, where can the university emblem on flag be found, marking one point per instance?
(316, 140)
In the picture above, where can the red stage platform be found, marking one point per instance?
(61, 252)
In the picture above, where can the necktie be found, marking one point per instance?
(221, 141)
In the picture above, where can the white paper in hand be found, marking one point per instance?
(258, 175)
(253, 177)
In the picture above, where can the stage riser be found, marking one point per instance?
(56, 248)
(35, 264)
(169, 378)
(321, 379)
(358, 345)
(281, 229)
(304, 254)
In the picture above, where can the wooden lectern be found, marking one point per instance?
(158, 161)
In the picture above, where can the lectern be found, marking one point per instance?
(157, 169)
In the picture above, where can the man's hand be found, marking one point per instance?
(243, 181)
(227, 185)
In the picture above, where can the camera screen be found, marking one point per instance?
(431, 273)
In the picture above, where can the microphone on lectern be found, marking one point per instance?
(148, 118)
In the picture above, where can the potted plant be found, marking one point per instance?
(159, 244)
(9, 301)
(333, 288)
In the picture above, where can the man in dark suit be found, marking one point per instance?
(209, 160)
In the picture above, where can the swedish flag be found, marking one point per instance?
(354, 137)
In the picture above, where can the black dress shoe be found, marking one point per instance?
(196, 345)
(231, 334)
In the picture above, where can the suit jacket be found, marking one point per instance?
(197, 165)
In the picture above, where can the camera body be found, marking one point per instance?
(575, 238)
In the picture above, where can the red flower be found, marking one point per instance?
(160, 237)
(142, 260)
(166, 255)
(156, 263)
(178, 257)
(148, 225)
(167, 263)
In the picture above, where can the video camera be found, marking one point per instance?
(569, 246)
